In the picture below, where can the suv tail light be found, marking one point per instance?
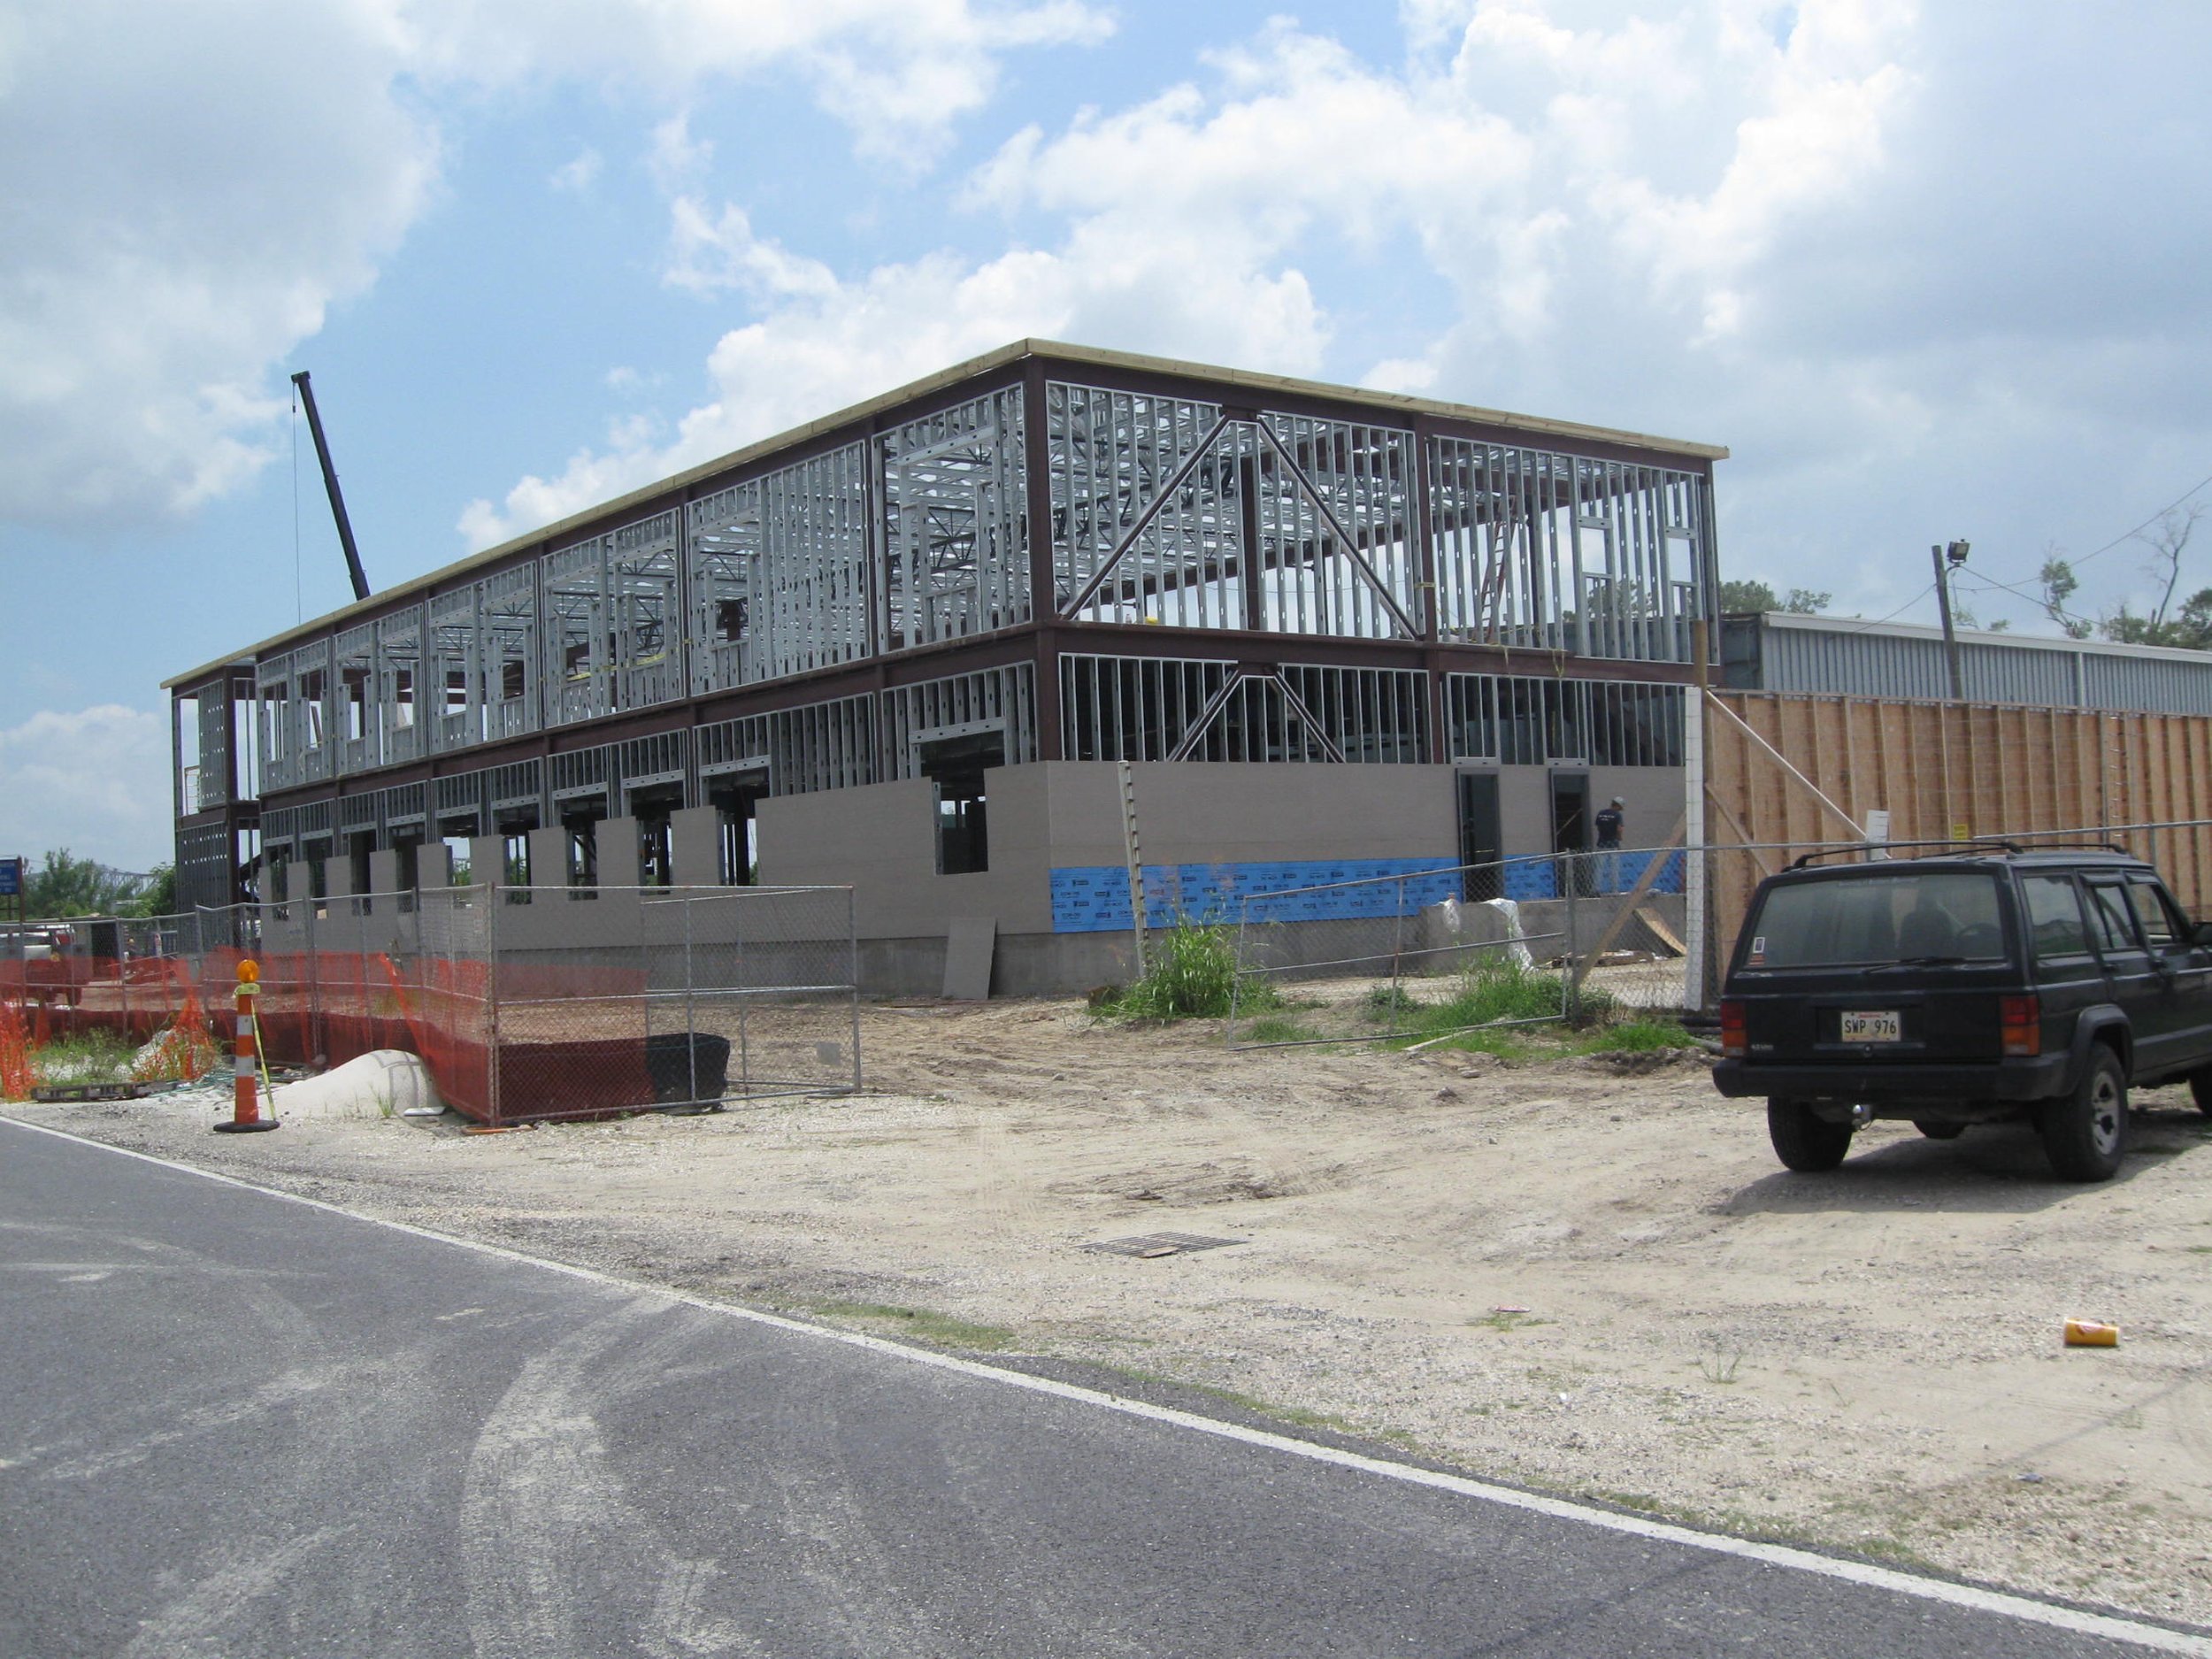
(2021, 1022)
(1735, 1032)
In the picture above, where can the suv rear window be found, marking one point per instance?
(1850, 921)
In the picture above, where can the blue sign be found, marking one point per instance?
(10, 878)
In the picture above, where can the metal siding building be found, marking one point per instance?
(1837, 655)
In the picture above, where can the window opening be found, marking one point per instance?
(187, 713)
(356, 687)
(456, 833)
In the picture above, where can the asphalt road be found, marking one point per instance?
(233, 1425)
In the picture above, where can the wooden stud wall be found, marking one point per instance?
(1996, 769)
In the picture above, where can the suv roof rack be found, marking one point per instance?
(1983, 843)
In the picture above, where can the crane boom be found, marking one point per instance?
(330, 484)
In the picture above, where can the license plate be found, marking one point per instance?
(1872, 1026)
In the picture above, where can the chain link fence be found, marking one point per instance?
(524, 1003)
(1516, 941)
(1611, 933)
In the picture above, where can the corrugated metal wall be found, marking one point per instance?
(1819, 656)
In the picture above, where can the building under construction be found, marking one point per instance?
(1333, 632)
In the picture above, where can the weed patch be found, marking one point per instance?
(1192, 976)
(1635, 1036)
(1506, 1319)
(93, 1056)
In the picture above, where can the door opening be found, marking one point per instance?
(956, 765)
(1571, 828)
(735, 798)
(1480, 837)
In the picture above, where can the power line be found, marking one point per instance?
(2146, 523)
(1869, 626)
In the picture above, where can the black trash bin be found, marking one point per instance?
(673, 1059)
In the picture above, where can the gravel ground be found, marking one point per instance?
(1577, 1275)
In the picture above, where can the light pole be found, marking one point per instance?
(1947, 560)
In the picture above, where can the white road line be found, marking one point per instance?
(2107, 1626)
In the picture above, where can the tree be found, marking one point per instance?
(1757, 596)
(158, 896)
(2058, 584)
(2189, 627)
(63, 885)
(2167, 545)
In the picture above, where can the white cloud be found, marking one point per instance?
(899, 73)
(839, 344)
(709, 253)
(577, 176)
(95, 780)
(676, 159)
(199, 183)
(186, 205)
(1900, 258)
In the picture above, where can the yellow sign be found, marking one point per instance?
(1962, 832)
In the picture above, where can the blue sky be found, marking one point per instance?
(1929, 271)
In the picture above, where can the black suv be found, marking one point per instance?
(1977, 985)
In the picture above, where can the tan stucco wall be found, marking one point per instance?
(881, 840)
(1197, 812)
(1063, 813)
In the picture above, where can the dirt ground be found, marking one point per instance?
(1562, 1274)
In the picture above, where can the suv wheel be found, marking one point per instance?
(1803, 1141)
(1937, 1130)
(2200, 1088)
(2085, 1133)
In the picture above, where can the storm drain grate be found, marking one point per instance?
(1162, 1244)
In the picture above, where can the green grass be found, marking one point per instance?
(1192, 976)
(1298, 1415)
(1639, 1036)
(1281, 1028)
(97, 1057)
(1488, 994)
(939, 1330)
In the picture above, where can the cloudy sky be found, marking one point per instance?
(1931, 271)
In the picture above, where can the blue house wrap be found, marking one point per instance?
(1095, 898)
